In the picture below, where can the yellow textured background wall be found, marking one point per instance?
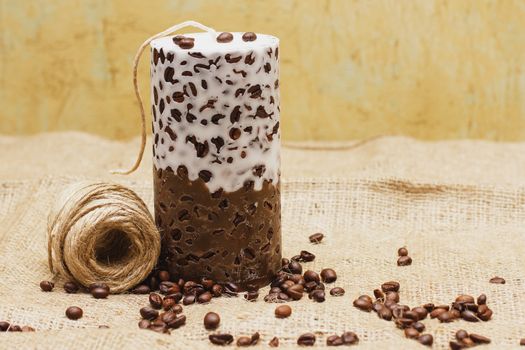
(349, 69)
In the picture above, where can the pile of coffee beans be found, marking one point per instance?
(403, 258)
(8, 327)
(465, 340)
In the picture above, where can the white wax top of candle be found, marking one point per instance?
(207, 42)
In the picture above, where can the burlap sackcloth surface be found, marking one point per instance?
(459, 207)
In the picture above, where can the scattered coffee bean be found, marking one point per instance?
(71, 287)
(307, 339)
(419, 326)
(249, 36)
(390, 286)
(394, 296)
(220, 339)
(244, 341)
(461, 334)
(337, 291)
(445, 317)
(176, 322)
(404, 261)
(421, 312)
(437, 312)
(4, 326)
(306, 256)
(211, 320)
(349, 338)
(334, 340)
(295, 292)
(283, 311)
(47, 286)
(188, 300)
(204, 298)
(497, 280)
(251, 296)
(411, 333)
(216, 290)
(403, 323)
(429, 307)
(100, 293)
(462, 299)
(316, 238)
(274, 342)
(311, 276)
(144, 324)
(426, 339)
(149, 313)
(385, 313)
(364, 302)
(98, 285)
(317, 295)
(15, 328)
(295, 267)
(479, 339)
(403, 251)
(167, 303)
(469, 316)
(482, 299)
(328, 275)
(141, 289)
(155, 300)
(379, 295)
(74, 312)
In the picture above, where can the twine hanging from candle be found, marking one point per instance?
(101, 232)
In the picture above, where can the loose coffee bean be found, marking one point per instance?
(472, 307)
(47, 286)
(317, 295)
(255, 338)
(328, 275)
(482, 299)
(421, 312)
(224, 37)
(283, 311)
(385, 313)
(403, 323)
(455, 314)
(363, 304)
(176, 309)
(349, 338)
(287, 284)
(455, 345)
(306, 256)
(334, 340)
(211, 320)
(311, 276)
(479, 339)
(189, 299)
(141, 289)
(295, 292)
(426, 339)
(337, 291)
(216, 290)
(445, 317)
(98, 285)
(283, 296)
(100, 293)
(437, 312)
(411, 333)
(74, 312)
(378, 294)
(412, 315)
(231, 288)
(167, 304)
(156, 301)
(205, 298)
(168, 317)
(404, 261)
(394, 296)
(149, 313)
(469, 316)
(244, 341)
(4, 326)
(497, 280)
(403, 251)
(220, 339)
(429, 307)
(177, 322)
(462, 299)
(316, 238)
(376, 306)
(419, 326)
(307, 339)
(71, 287)
(390, 286)
(15, 328)
(144, 324)
(249, 36)
(274, 342)
(461, 334)
(295, 267)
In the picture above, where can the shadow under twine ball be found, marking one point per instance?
(102, 232)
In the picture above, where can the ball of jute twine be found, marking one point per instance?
(102, 232)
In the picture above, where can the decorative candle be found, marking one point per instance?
(215, 106)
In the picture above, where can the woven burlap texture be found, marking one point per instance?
(459, 207)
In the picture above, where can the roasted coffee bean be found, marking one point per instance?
(385, 313)
(522, 342)
(311, 276)
(15, 328)
(251, 296)
(429, 307)
(167, 317)
(426, 339)
(479, 339)
(461, 334)
(463, 299)
(167, 304)
(4, 326)
(216, 290)
(274, 343)
(390, 286)
(193, 288)
(74, 312)
(224, 37)
(211, 320)
(164, 275)
(244, 341)
(485, 316)
(328, 275)
(317, 295)
(47, 286)
(295, 267)
(411, 333)
(283, 296)
(392, 296)
(421, 312)
(363, 304)
(297, 279)
(497, 280)
(275, 290)
(231, 288)
(404, 322)
(436, 312)
(295, 292)
(377, 305)
(285, 262)
(378, 294)
(320, 286)
(445, 317)
(71, 287)
(100, 293)
(469, 316)
(307, 339)
(98, 285)
(283, 311)
(153, 283)
(455, 314)
(176, 296)
(204, 298)
(404, 261)
(176, 322)
(287, 284)
(186, 43)
(149, 313)
(316, 238)
(306, 256)
(419, 326)
(144, 324)
(220, 339)
(249, 36)
(156, 301)
(207, 283)
(334, 340)
(188, 300)
(141, 289)
(472, 307)
(397, 311)
(453, 345)
(411, 314)
(349, 338)
(337, 291)
(177, 309)
(309, 286)
(403, 251)
(482, 299)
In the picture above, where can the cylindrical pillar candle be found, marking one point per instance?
(215, 105)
